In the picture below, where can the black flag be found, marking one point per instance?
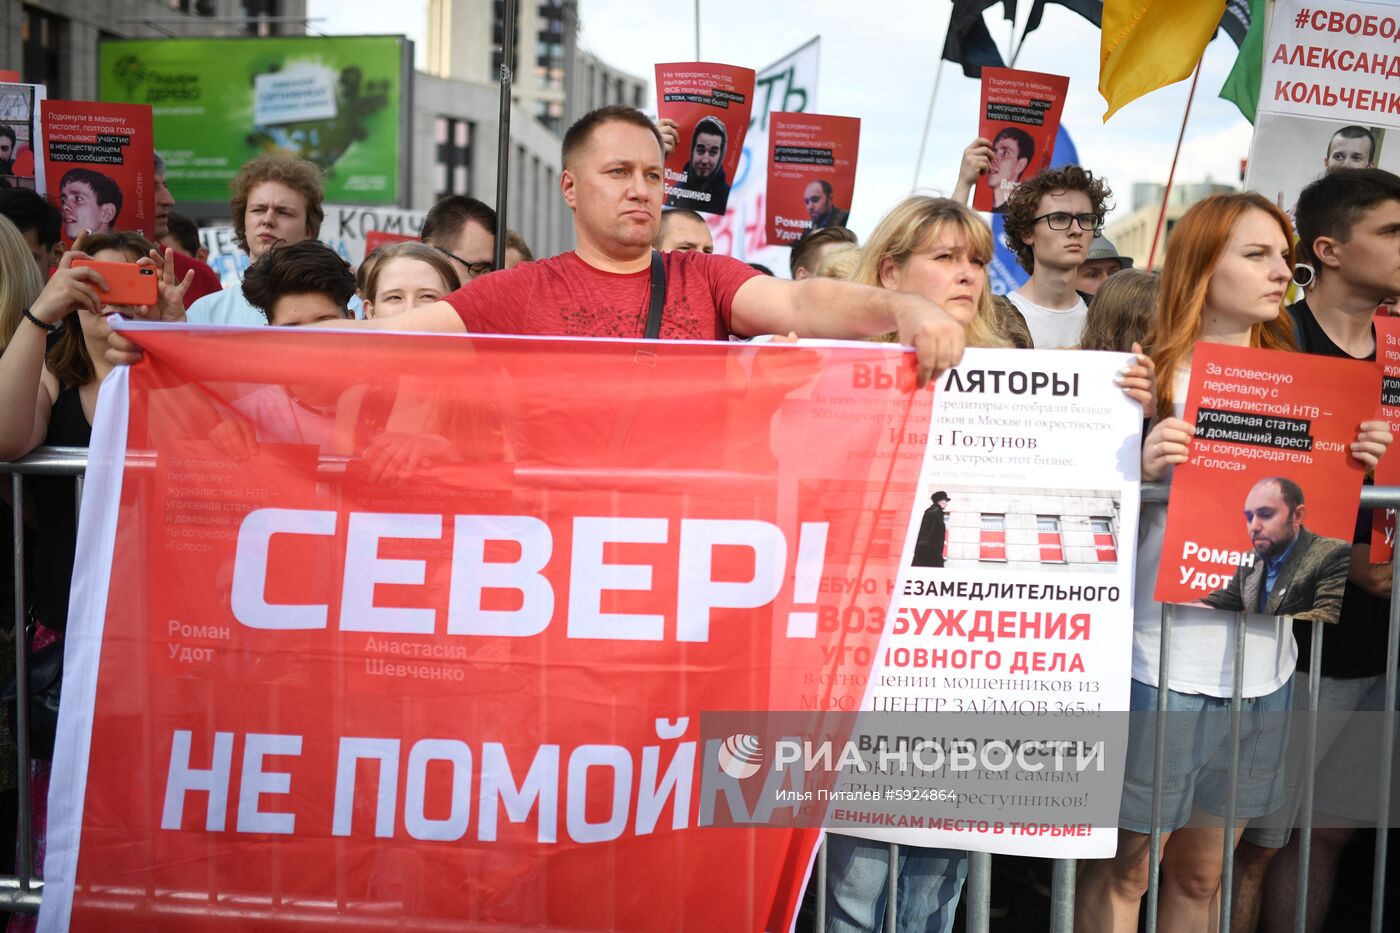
(969, 43)
(1092, 10)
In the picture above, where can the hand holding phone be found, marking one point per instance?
(127, 283)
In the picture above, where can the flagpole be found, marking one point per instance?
(1011, 62)
(503, 131)
(928, 117)
(1166, 194)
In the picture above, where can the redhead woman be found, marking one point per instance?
(1224, 281)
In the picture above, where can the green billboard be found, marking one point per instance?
(343, 102)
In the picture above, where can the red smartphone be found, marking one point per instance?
(127, 283)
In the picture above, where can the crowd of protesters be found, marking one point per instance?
(920, 279)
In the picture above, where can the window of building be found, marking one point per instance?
(41, 36)
(1052, 545)
(550, 113)
(498, 39)
(1105, 544)
(549, 57)
(257, 13)
(452, 158)
(882, 534)
(992, 545)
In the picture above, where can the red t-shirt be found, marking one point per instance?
(206, 282)
(564, 296)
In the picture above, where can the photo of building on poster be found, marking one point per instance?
(1019, 529)
(20, 137)
(711, 105)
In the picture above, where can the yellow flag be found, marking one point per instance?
(1147, 44)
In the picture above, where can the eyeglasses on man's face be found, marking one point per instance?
(1059, 220)
(474, 269)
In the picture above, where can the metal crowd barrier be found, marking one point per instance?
(23, 892)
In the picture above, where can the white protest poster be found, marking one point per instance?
(788, 85)
(1329, 97)
(344, 230)
(1012, 628)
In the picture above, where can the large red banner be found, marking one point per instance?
(414, 632)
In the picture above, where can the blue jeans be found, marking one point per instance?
(926, 894)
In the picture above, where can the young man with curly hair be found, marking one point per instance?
(276, 202)
(1050, 222)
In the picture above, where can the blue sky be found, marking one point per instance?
(878, 63)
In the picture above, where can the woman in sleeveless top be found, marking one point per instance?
(50, 374)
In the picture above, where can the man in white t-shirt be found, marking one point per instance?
(1050, 222)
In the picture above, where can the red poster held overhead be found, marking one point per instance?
(811, 173)
(1271, 487)
(1388, 470)
(1020, 114)
(711, 104)
(99, 164)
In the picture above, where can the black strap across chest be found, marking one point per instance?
(658, 296)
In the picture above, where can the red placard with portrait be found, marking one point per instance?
(711, 104)
(1020, 114)
(99, 166)
(1270, 492)
(811, 173)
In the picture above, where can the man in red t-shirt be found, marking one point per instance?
(612, 181)
(206, 281)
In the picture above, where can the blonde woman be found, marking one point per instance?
(939, 249)
(402, 276)
(839, 263)
(20, 282)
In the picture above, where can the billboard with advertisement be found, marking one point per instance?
(343, 102)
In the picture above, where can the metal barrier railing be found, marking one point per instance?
(23, 892)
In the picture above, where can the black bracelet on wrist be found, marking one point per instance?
(48, 328)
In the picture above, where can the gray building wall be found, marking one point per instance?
(535, 210)
(85, 21)
(460, 45)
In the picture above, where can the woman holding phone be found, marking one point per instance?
(50, 373)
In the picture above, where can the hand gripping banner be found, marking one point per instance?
(412, 631)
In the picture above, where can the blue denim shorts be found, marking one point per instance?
(1195, 774)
